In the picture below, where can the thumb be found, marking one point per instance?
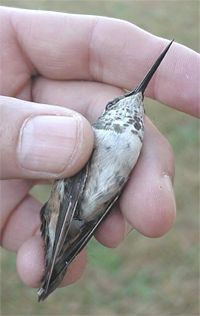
(42, 141)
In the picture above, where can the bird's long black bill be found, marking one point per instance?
(142, 86)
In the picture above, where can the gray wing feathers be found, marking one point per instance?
(73, 189)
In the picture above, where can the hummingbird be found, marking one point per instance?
(77, 205)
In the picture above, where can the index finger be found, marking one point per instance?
(65, 46)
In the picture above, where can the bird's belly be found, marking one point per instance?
(111, 164)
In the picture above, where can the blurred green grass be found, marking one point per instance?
(142, 276)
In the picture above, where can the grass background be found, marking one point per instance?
(142, 276)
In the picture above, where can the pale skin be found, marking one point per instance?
(79, 63)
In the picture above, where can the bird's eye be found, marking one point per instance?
(109, 105)
(113, 102)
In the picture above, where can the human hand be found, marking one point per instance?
(79, 63)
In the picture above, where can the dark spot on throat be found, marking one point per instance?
(137, 125)
(118, 128)
(140, 138)
(134, 132)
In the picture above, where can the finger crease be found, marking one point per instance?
(94, 66)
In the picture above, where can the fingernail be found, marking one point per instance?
(169, 186)
(168, 183)
(47, 143)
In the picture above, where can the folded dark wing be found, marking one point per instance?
(73, 190)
